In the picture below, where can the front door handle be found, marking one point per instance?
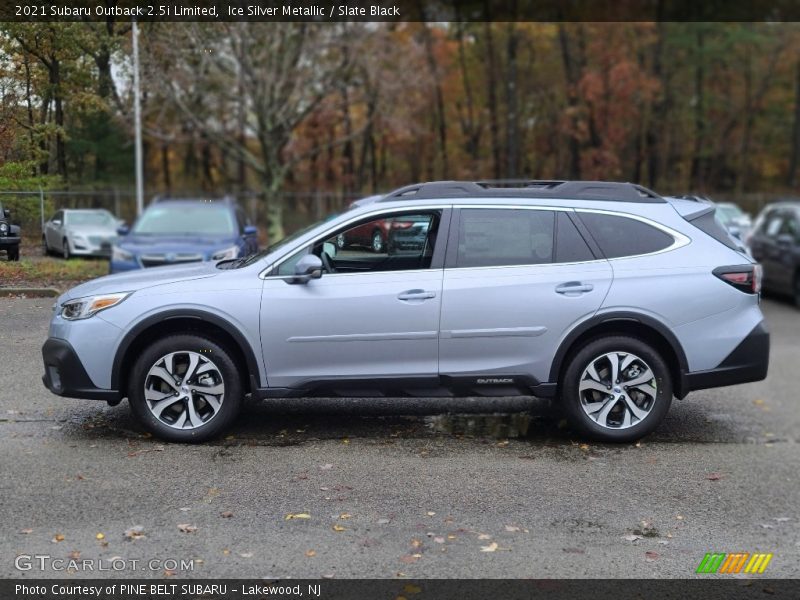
(416, 295)
(574, 287)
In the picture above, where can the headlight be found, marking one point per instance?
(119, 254)
(83, 308)
(227, 254)
(3, 228)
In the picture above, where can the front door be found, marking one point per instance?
(371, 316)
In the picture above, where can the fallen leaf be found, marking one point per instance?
(100, 536)
(345, 441)
(134, 533)
(408, 558)
(383, 521)
(430, 513)
(186, 528)
(344, 516)
(484, 536)
(632, 537)
(439, 540)
(714, 476)
(58, 538)
(226, 515)
(226, 551)
(311, 553)
(246, 554)
(781, 519)
(328, 575)
(26, 531)
(512, 528)
(767, 526)
(451, 537)
(169, 573)
(490, 548)
(416, 543)
(650, 556)
(185, 508)
(292, 516)
(338, 527)
(584, 447)
(326, 467)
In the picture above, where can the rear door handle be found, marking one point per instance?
(416, 295)
(574, 287)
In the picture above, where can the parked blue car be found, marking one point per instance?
(171, 232)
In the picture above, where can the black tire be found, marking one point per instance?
(230, 405)
(13, 253)
(45, 248)
(796, 290)
(571, 395)
(65, 249)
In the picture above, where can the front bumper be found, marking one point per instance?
(748, 362)
(9, 240)
(65, 375)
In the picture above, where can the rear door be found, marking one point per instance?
(516, 279)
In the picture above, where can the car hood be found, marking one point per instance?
(173, 243)
(130, 281)
(92, 230)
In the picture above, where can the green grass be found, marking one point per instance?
(50, 272)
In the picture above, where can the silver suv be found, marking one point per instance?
(603, 295)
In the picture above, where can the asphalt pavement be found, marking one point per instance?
(394, 487)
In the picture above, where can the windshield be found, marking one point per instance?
(727, 214)
(279, 244)
(186, 219)
(91, 218)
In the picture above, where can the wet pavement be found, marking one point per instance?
(412, 487)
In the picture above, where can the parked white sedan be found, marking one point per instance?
(80, 232)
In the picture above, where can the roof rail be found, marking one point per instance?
(527, 188)
(227, 199)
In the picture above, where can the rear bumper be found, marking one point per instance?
(748, 362)
(65, 375)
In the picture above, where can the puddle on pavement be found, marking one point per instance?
(498, 426)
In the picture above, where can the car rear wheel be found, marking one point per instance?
(45, 247)
(185, 388)
(65, 249)
(616, 389)
(377, 242)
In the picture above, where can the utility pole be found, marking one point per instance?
(137, 116)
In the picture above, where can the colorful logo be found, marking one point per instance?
(741, 562)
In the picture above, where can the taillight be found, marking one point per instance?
(745, 278)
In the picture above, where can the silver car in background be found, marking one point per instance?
(80, 232)
(604, 296)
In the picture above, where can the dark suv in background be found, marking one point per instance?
(775, 243)
(9, 235)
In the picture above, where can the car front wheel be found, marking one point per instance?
(65, 249)
(185, 388)
(616, 389)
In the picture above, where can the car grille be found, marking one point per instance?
(157, 260)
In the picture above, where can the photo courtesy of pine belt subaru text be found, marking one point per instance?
(604, 296)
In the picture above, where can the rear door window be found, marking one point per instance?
(504, 237)
(620, 236)
(570, 245)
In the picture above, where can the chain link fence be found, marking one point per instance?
(31, 208)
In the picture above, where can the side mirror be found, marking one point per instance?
(250, 230)
(123, 230)
(57, 222)
(307, 268)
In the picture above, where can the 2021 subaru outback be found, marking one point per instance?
(603, 295)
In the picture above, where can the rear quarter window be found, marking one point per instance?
(620, 236)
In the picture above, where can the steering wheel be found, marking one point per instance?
(327, 263)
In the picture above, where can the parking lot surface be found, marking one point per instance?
(396, 487)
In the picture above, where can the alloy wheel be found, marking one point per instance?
(618, 390)
(184, 390)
